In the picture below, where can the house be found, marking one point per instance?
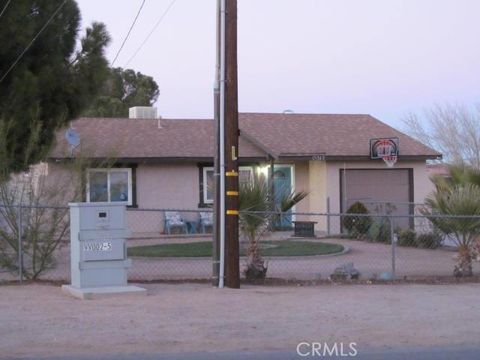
(163, 163)
(438, 169)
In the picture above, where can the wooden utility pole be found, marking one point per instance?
(232, 261)
(226, 267)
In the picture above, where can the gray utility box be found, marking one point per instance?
(98, 251)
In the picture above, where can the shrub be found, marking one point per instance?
(379, 230)
(407, 237)
(357, 225)
(430, 240)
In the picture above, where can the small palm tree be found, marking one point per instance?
(457, 200)
(257, 211)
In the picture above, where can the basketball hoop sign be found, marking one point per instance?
(385, 149)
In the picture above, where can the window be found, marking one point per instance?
(109, 185)
(208, 185)
(245, 175)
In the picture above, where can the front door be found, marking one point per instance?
(282, 182)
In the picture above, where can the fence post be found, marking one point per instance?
(328, 215)
(20, 245)
(393, 239)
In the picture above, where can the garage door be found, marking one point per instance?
(374, 187)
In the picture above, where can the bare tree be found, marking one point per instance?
(33, 207)
(454, 130)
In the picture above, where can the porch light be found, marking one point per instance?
(263, 170)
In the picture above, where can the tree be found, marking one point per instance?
(459, 175)
(256, 211)
(453, 130)
(33, 208)
(51, 83)
(459, 197)
(464, 231)
(123, 90)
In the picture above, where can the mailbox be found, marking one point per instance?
(98, 232)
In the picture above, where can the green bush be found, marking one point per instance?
(379, 230)
(431, 240)
(357, 225)
(407, 237)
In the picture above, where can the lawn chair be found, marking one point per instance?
(206, 219)
(172, 220)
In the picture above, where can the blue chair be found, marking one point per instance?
(172, 220)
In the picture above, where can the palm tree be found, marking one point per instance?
(257, 211)
(458, 175)
(458, 196)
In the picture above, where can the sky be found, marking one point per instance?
(386, 58)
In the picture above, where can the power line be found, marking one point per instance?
(5, 7)
(151, 32)
(33, 40)
(129, 31)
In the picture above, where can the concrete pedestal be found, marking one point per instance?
(105, 291)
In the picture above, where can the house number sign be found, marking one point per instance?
(98, 246)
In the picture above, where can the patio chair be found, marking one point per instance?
(206, 219)
(172, 220)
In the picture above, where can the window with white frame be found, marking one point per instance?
(245, 175)
(109, 185)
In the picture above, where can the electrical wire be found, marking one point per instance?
(5, 7)
(33, 40)
(129, 31)
(150, 33)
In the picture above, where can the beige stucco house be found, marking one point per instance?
(162, 163)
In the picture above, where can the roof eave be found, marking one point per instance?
(243, 159)
(304, 157)
(158, 160)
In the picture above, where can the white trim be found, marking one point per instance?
(108, 172)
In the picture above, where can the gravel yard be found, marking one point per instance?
(39, 320)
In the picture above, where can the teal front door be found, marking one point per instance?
(282, 182)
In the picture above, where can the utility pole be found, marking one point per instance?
(227, 160)
(232, 248)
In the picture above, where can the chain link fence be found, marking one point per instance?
(169, 244)
(34, 242)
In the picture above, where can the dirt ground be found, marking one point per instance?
(39, 320)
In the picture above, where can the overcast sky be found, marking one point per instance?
(381, 57)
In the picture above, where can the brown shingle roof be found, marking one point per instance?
(282, 135)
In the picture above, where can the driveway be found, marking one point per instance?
(371, 259)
